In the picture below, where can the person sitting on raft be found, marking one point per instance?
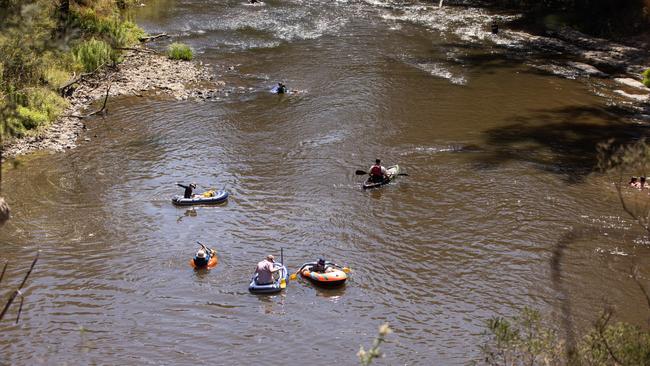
(265, 270)
(202, 258)
(634, 183)
(281, 88)
(321, 267)
(377, 172)
(188, 189)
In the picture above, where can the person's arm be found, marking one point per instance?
(182, 186)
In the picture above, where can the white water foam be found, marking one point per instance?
(439, 70)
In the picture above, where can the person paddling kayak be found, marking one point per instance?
(188, 189)
(377, 172)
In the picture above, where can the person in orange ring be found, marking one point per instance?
(377, 172)
(265, 270)
(202, 258)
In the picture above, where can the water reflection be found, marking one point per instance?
(200, 273)
(376, 193)
(332, 293)
(188, 213)
(271, 303)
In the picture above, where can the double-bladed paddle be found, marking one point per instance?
(361, 172)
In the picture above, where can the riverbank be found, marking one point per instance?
(142, 72)
(616, 65)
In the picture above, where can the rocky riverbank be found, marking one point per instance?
(568, 53)
(143, 71)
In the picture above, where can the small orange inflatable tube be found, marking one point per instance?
(211, 263)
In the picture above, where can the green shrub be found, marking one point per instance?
(117, 32)
(38, 107)
(646, 78)
(92, 54)
(46, 101)
(56, 77)
(179, 51)
(31, 118)
(527, 340)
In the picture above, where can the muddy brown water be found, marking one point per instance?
(500, 210)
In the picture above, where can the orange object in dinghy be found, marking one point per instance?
(333, 276)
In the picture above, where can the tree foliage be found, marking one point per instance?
(601, 17)
(43, 43)
(526, 340)
(620, 162)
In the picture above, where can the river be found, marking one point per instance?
(500, 210)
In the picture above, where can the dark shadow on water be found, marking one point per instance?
(331, 292)
(191, 212)
(200, 273)
(562, 294)
(562, 141)
(375, 193)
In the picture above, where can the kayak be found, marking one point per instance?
(272, 288)
(211, 263)
(329, 279)
(391, 172)
(200, 199)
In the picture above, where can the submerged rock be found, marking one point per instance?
(631, 83)
(636, 97)
(587, 69)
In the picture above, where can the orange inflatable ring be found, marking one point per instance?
(211, 263)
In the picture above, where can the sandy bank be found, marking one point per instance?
(142, 71)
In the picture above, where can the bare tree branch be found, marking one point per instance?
(4, 269)
(602, 325)
(635, 276)
(80, 78)
(17, 292)
(143, 50)
(151, 38)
